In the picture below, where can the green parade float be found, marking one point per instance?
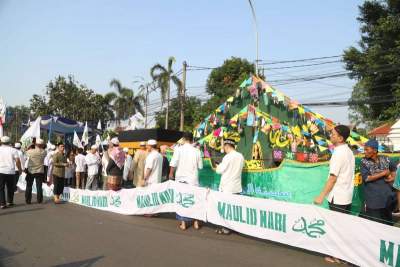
(285, 144)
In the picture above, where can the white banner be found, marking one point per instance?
(356, 240)
(188, 201)
(351, 238)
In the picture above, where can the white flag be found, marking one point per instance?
(98, 141)
(76, 141)
(99, 126)
(32, 131)
(2, 115)
(85, 135)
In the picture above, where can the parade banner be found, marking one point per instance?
(348, 237)
(170, 196)
(353, 239)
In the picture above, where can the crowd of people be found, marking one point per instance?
(110, 168)
(113, 168)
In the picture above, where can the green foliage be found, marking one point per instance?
(376, 64)
(15, 117)
(109, 133)
(125, 103)
(67, 98)
(224, 80)
(192, 114)
(164, 76)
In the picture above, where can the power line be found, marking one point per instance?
(303, 65)
(298, 60)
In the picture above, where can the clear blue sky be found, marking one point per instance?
(97, 40)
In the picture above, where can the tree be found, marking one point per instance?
(192, 114)
(163, 76)
(125, 102)
(224, 80)
(375, 64)
(67, 98)
(15, 117)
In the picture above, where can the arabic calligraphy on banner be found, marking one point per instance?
(304, 226)
(314, 229)
(308, 227)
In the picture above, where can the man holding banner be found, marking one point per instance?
(338, 190)
(187, 161)
(231, 173)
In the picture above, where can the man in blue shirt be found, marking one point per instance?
(376, 172)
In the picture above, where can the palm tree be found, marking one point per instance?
(125, 103)
(163, 77)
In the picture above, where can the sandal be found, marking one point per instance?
(222, 232)
(334, 260)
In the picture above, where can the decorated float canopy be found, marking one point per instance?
(269, 127)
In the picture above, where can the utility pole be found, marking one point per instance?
(146, 104)
(167, 111)
(256, 30)
(182, 95)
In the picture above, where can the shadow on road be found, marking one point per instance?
(14, 211)
(83, 263)
(6, 257)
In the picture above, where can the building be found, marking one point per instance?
(381, 134)
(394, 136)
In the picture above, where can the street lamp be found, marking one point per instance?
(256, 29)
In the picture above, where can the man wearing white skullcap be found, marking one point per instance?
(22, 159)
(92, 161)
(8, 160)
(138, 165)
(36, 158)
(153, 164)
(127, 176)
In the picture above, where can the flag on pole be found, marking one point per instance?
(85, 135)
(76, 142)
(98, 141)
(32, 131)
(99, 126)
(2, 115)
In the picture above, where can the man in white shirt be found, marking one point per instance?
(153, 164)
(80, 169)
(231, 169)
(92, 160)
(48, 163)
(22, 159)
(126, 176)
(8, 160)
(35, 171)
(187, 161)
(231, 173)
(338, 190)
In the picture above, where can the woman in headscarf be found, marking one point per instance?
(115, 167)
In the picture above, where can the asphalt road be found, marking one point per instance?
(72, 235)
